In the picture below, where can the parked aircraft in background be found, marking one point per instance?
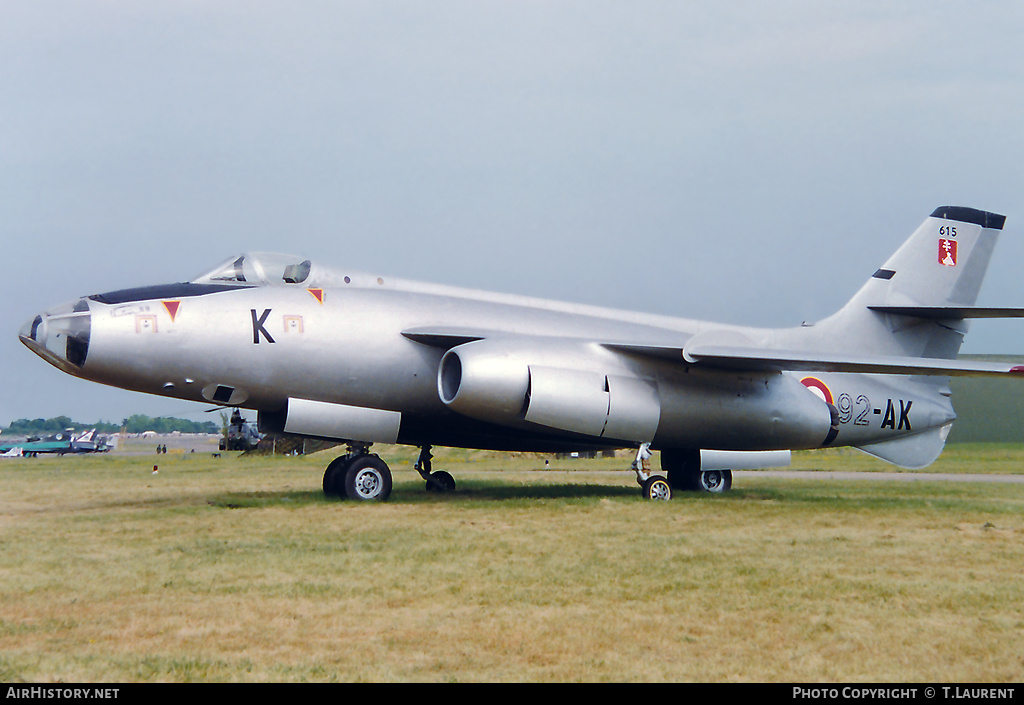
(335, 354)
(60, 443)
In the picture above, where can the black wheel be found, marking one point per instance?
(714, 480)
(440, 481)
(657, 487)
(367, 479)
(334, 477)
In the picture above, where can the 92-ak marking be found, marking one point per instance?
(858, 411)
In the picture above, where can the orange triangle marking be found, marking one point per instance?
(172, 308)
(318, 294)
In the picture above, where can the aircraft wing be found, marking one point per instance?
(742, 357)
(738, 357)
(750, 358)
(945, 313)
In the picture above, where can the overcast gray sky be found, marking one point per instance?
(749, 162)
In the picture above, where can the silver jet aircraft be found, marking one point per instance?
(336, 354)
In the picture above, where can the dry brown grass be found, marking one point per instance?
(239, 570)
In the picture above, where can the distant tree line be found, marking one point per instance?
(137, 423)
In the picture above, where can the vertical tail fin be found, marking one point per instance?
(941, 265)
(918, 304)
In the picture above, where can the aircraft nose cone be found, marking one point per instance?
(31, 330)
(61, 335)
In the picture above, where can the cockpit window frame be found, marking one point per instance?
(259, 269)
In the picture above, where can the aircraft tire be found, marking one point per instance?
(657, 487)
(441, 481)
(334, 477)
(367, 479)
(716, 481)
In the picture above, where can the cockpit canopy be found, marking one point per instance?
(258, 268)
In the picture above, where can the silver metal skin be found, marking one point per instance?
(354, 357)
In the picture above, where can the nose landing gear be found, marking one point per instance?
(653, 486)
(439, 481)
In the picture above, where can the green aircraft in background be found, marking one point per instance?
(59, 443)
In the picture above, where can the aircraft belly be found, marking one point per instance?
(457, 431)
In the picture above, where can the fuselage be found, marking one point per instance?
(552, 375)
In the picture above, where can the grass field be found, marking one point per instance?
(238, 569)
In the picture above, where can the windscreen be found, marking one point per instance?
(259, 268)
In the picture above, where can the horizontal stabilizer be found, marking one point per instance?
(946, 313)
(774, 360)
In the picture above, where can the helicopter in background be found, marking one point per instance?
(240, 434)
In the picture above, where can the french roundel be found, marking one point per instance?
(819, 388)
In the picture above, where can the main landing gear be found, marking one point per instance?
(358, 475)
(684, 472)
(364, 477)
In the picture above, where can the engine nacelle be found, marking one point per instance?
(492, 381)
(769, 411)
(484, 380)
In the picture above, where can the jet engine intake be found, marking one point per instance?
(484, 380)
